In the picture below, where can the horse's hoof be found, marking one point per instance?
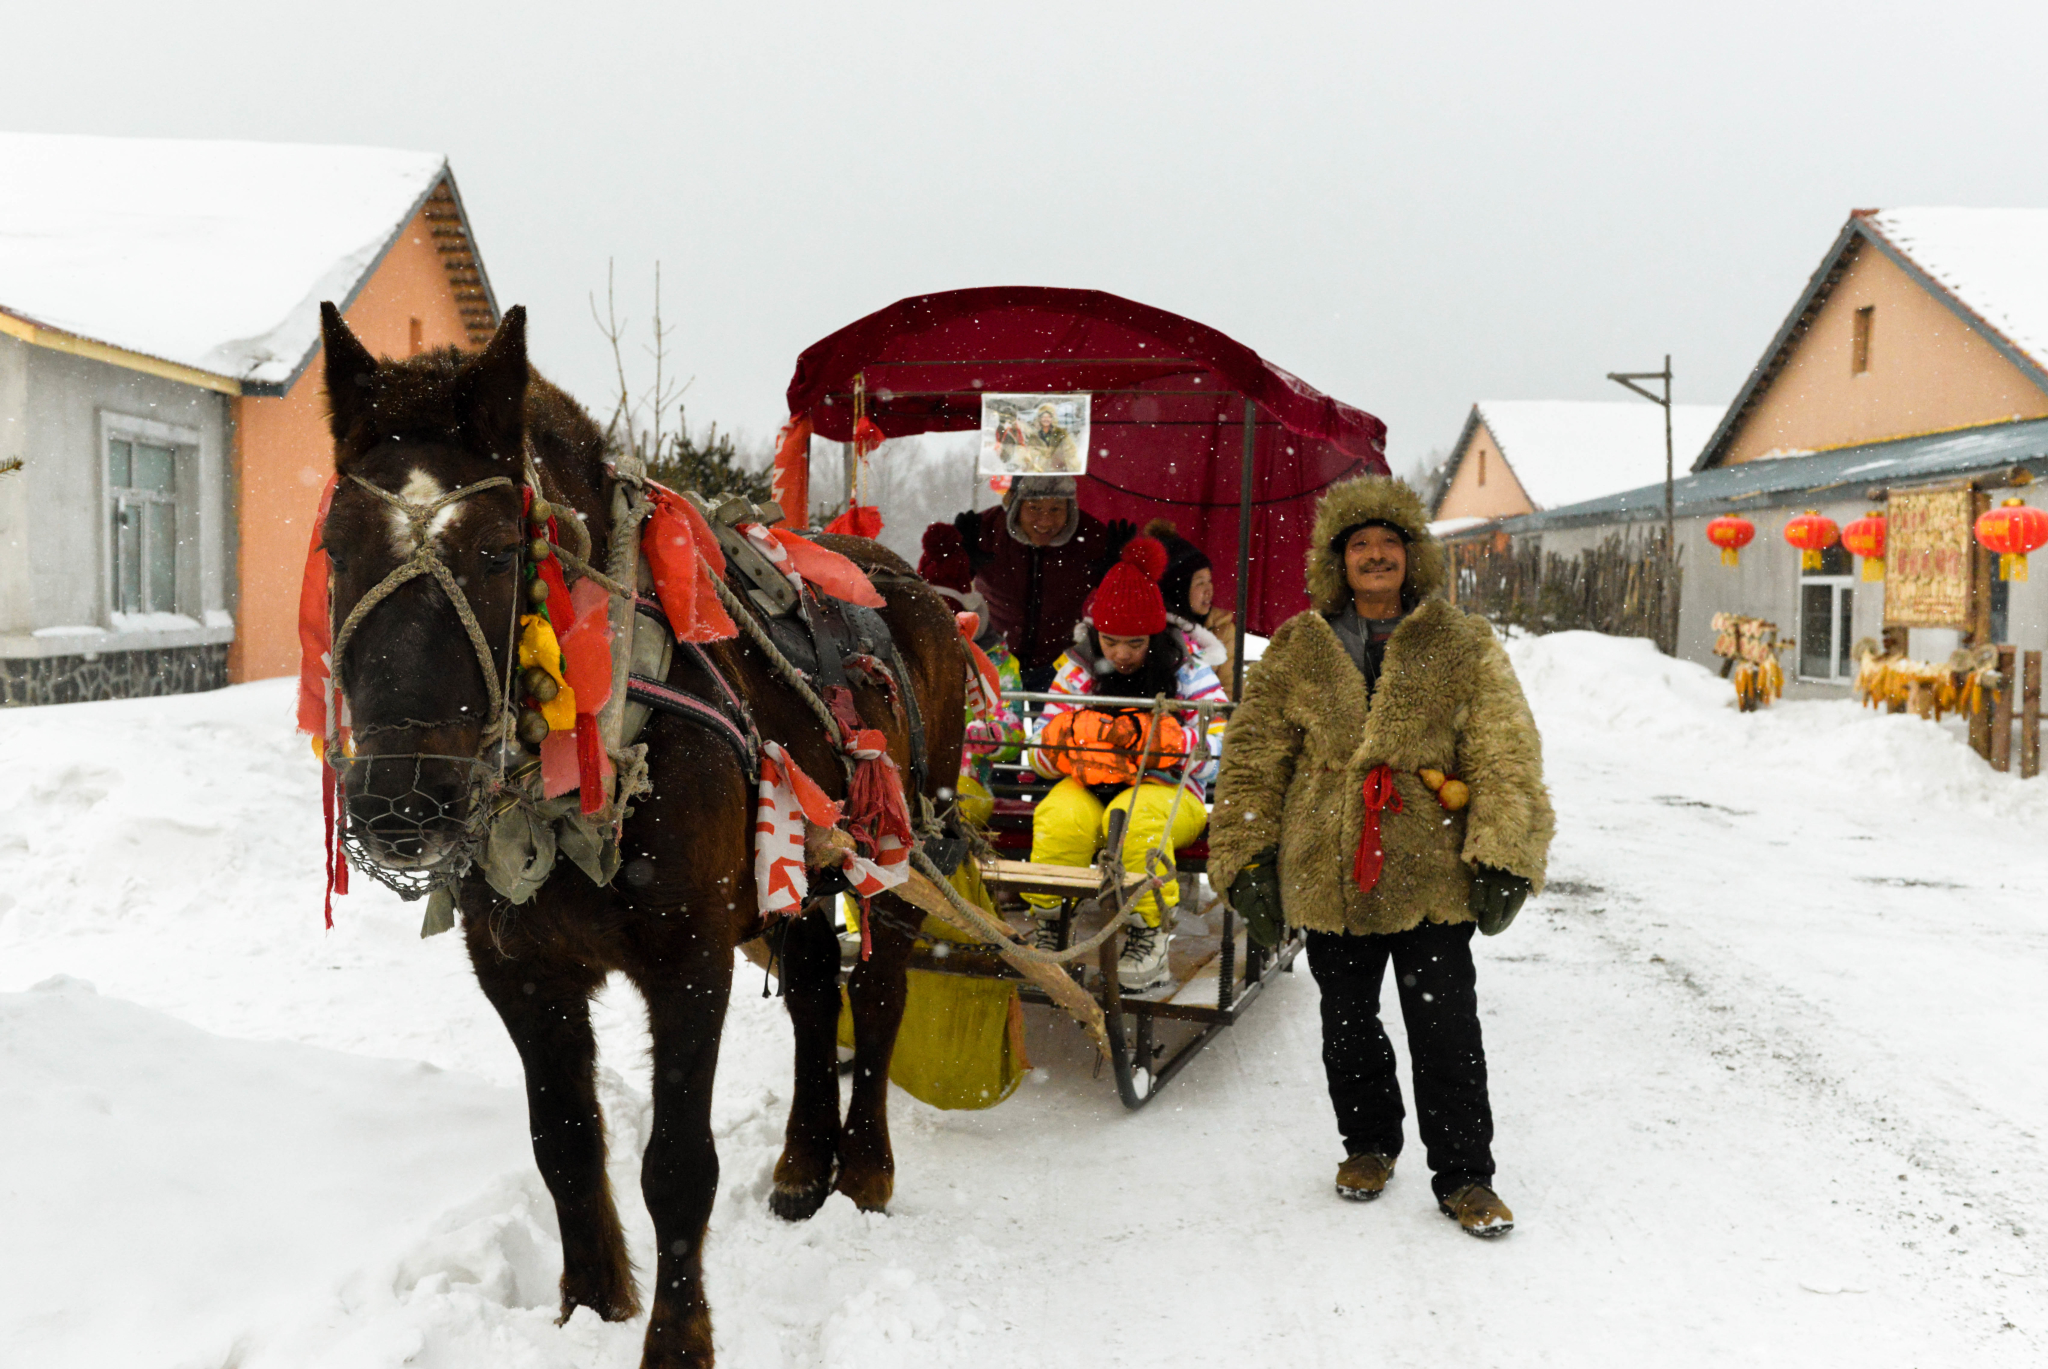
(798, 1203)
(608, 1309)
(869, 1195)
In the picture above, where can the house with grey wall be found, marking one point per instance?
(1915, 358)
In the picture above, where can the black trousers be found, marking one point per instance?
(1433, 975)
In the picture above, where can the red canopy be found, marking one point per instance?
(1167, 416)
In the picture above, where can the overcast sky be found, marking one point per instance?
(1410, 206)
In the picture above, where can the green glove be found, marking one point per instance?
(1255, 896)
(1497, 895)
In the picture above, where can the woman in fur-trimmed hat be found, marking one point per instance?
(1382, 788)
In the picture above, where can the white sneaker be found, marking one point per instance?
(1142, 967)
(1047, 936)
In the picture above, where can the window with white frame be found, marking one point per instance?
(1827, 611)
(143, 493)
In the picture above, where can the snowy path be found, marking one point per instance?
(1769, 1077)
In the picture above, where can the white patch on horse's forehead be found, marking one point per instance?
(420, 488)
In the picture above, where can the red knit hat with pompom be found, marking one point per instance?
(1127, 602)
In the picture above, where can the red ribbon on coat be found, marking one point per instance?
(1380, 795)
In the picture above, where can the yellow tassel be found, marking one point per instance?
(2019, 568)
(1873, 568)
(538, 646)
(1728, 555)
(1809, 560)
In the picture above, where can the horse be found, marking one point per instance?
(437, 445)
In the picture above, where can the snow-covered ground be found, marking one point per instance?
(1769, 1070)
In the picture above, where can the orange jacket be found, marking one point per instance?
(1099, 747)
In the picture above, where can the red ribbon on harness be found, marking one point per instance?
(877, 816)
(1379, 794)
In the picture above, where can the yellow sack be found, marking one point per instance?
(961, 1046)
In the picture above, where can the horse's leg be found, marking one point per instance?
(867, 1167)
(679, 1172)
(545, 1003)
(810, 986)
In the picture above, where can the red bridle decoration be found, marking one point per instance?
(1731, 535)
(2012, 530)
(1812, 534)
(1865, 538)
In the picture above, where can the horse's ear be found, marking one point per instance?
(494, 389)
(350, 371)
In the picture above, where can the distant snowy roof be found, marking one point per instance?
(1564, 450)
(1994, 261)
(213, 255)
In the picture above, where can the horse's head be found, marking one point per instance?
(426, 587)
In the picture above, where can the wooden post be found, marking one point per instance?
(2030, 716)
(2001, 718)
(1980, 727)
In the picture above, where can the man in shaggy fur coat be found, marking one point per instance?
(1382, 788)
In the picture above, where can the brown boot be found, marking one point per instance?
(1363, 1177)
(1479, 1210)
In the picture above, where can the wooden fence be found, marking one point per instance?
(1627, 586)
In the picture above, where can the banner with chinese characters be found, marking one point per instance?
(1928, 558)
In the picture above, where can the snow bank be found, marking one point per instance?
(177, 1197)
(1605, 694)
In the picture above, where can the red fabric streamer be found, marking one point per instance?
(561, 609)
(828, 570)
(989, 703)
(590, 760)
(859, 520)
(330, 829)
(867, 436)
(878, 818)
(1379, 794)
(684, 555)
(315, 626)
(792, 484)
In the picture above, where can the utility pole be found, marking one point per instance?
(1629, 379)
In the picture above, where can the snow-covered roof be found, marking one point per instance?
(1450, 527)
(1564, 451)
(1994, 261)
(211, 255)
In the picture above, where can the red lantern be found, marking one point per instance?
(1865, 538)
(1731, 535)
(1812, 534)
(2012, 530)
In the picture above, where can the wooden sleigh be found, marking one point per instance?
(1146, 1039)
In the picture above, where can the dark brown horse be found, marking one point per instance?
(433, 425)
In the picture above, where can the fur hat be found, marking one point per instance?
(1183, 560)
(1354, 503)
(945, 562)
(1127, 602)
(1042, 487)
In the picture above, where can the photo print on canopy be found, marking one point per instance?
(1034, 434)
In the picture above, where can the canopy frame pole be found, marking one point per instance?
(1244, 549)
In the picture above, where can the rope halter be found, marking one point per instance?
(425, 561)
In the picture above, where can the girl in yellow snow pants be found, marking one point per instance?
(1070, 825)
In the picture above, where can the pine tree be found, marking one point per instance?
(714, 467)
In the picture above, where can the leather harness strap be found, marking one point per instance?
(728, 716)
